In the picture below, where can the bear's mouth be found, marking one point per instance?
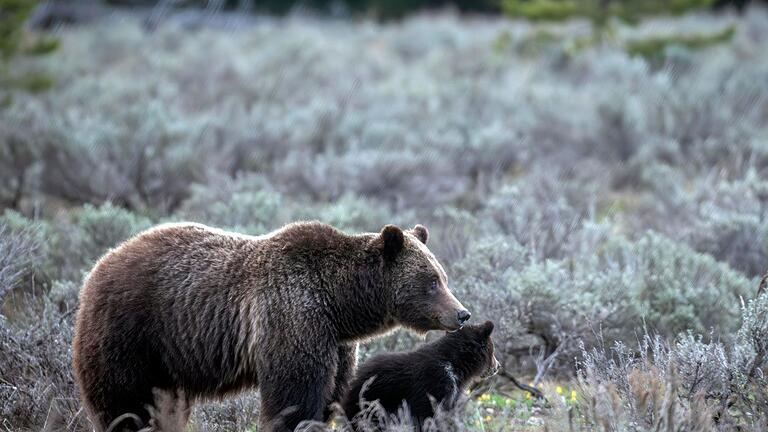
(493, 370)
(490, 372)
(450, 328)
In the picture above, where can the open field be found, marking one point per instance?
(607, 208)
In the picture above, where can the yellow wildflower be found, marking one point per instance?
(559, 390)
(488, 418)
(573, 395)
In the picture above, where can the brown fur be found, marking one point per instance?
(187, 308)
(440, 370)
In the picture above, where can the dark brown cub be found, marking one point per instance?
(441, 369)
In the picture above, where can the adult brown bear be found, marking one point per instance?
(185, 307)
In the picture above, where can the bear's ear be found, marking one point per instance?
(421, 233)
(393, 239)
(486, 329)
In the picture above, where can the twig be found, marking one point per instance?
(532, 390)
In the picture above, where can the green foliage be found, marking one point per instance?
(601, 12)
(502, 42)
(598, 11)
(654, 48)
(13, 15)
(33, 82)
(537, 42)
(42, 46)
(543, 10)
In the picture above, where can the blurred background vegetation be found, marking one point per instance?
(530, 9)
(593, 174)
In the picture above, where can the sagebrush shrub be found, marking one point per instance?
(85, 235)
(690, 384)
(245, 204)
(23, 254)
(676, 288)
(38, 390)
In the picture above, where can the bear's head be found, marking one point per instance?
(471, 350)
(417, 283)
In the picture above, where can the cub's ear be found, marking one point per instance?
(486, 329)
(421, 233)
(393, 239)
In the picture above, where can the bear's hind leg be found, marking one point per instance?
(347, 362)
(126, 413)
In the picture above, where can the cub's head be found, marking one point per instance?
(471, 348)
(416, 282)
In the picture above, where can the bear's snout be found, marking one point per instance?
(463, 316)
(455, 319)
(452, 315)
(493, 370)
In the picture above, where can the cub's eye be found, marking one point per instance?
(433, 286)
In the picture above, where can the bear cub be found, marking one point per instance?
(441, 369)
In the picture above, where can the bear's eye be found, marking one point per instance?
(433, 286)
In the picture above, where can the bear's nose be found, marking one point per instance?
(463, 316)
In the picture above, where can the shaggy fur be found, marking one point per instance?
(441, 369)
(187, 308)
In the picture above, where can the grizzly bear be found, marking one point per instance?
(441, 370)
(203, 313)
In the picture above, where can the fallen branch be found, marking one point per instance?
(530, 389)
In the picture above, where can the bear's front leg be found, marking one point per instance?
(347, 354)
(296, 388)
